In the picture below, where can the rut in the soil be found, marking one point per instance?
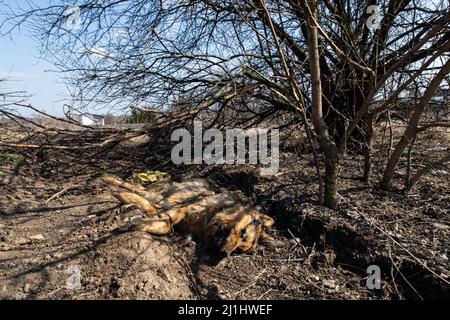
(355, 252)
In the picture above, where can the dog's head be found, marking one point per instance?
(244, 233)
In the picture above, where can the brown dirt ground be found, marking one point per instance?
(324, 256)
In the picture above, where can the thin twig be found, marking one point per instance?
(59, 193)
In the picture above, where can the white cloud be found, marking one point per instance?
(16, 75)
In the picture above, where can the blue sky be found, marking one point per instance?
(21, 63)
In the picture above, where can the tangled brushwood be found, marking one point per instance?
(214, 218)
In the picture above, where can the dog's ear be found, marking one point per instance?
(264, 238)
(267, 221)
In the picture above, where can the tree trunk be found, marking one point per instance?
(368, 137)
(332, 165)
(411, 130)
(367, 162)
(327, 145)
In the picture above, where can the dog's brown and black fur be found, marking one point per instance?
(215, 218)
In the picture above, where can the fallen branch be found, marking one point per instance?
(59, 193)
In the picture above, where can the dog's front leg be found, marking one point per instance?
(157, 226)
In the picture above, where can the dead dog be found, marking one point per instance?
(215, 218)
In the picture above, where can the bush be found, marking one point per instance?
(138, 116)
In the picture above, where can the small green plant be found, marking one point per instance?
(101, 174)
(10, 159)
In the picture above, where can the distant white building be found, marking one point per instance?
(85, 119)
(89, 119)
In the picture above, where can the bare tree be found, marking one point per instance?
(327, 144)
(412, 128)
(315, 60)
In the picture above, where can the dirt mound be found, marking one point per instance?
(139, 267)
(45, 249)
